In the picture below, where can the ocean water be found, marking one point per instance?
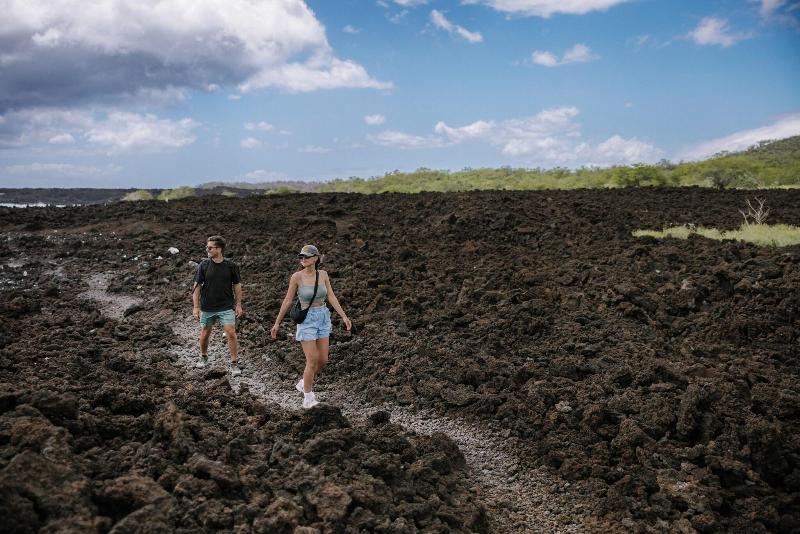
(33, 205)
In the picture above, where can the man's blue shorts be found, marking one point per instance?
(207, 319)
(316, 326)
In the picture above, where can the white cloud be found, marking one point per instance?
(50, 170)
(350, 29)
(375, 119)
(410, 3)
(261, 126)
(147, 133)
(316, 73)
(82, 130)
(714, 31)
(27, 127)
(61, 139)
(249, 142)
(405, 141)
(768, 7)
(313, 149)
(117, 49)
(234, 97)
(552, 136)
(547, 8)
(546, 59)
(617, 149)
(397, 18)
(579, 53)
(471, 131)
(439, 20)
(785, 126)
(780, 11)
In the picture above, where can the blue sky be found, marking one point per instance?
(143, 94)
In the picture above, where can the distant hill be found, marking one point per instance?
(292, 185)
(767, 164)
(778, 151)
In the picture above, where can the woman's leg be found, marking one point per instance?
(310, 350)
(322, 353)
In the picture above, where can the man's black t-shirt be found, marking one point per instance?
(216, 281)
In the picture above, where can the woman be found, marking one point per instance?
(312, 333)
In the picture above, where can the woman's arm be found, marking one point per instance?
(335, 303)
(287, 302)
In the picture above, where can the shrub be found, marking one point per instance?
(177, 193)
(774, 235)
(135, 196)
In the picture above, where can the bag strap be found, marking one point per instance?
(316, 283)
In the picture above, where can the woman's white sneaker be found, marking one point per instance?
(309, 400)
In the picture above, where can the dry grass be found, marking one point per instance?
(773, 235)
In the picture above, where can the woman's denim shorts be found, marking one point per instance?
(316, 326)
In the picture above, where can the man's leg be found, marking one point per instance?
(205, 335)
(233, 343)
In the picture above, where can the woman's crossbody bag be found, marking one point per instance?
(297, 313)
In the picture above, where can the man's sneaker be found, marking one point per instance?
(309, 403)
(299, 386)
(235, 371)
(202, 362)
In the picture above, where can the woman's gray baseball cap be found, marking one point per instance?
(309, 251)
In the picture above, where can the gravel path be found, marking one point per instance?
(112, 305)
(518, 499)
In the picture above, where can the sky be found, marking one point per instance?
(158, 94)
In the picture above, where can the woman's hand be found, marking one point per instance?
(347, 323)
(274, 331)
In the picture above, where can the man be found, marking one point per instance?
(217, 297)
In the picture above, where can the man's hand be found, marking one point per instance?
(238, 310)
(196, 313)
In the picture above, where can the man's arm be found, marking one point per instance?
(196, 301)
(199, 279)
(237, 293)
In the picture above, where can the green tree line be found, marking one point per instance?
(767, 164)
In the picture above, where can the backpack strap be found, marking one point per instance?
(203, 267)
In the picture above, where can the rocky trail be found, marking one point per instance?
(522, 364)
